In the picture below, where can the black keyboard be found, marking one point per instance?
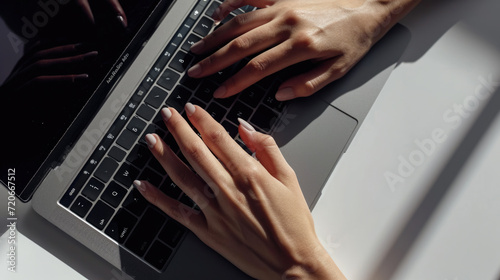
(102, 194)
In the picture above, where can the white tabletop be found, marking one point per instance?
(360, 212)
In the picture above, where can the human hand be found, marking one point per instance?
(65, 64)
(114, 5)
(332, 34)
(252, 209)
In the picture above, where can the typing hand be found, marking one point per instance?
(332, 34)
(252, 210)
(114, 5)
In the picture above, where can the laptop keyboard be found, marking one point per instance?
(102, 193)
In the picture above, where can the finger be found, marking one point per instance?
(230, 5)
(267, 152)
(245, 45)
(312, 81)
(190, 218)
(261, 66)
(183, 176)
(59, 51)
(87, 10)
(196, 152)
(231, 30)
(218, 140)
(120, 13)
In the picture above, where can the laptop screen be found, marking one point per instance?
(56, 57)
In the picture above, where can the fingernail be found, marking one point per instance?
(285, 94)
(189, 109)
(220, 92)
(248, 127)
(166, 114)
(121, 19)
(197, 47)
(140, 185)
(216, 15)
(194, 71)
(151, 140)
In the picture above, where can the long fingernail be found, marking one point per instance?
(285, 94)
(194, 71)
(121, 19)
(248, 127)
(166, 114)
(190, 109)
(197, 47)
(140, 185)
(151, 140)
(220, 92)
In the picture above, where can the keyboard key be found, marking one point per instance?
(270, 101)
(191, 40)
(206, 91)
(239, 110)
(127, 139)
(252, 96)
(136, 125)
(100, 215)
(72, 192)
(93, 189)
(106, 169)
(170, 188)
(158, 255)
(117, 153)
(156, 97)
(196, 101)
(121, 225)
(135, 203)
(126, 175)
(114, 194)
(216, 111)
(172, 233)
(190, 83)
(204, 26)
(179, 98)
(181, 61)
(145, 231)
(151, 176)
(81, 206)
(146, 112)
(226, 102)
(139, 156)
(264, 118)
(168, 79)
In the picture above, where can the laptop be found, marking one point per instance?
(79, 93)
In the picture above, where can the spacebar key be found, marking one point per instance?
(106, 169)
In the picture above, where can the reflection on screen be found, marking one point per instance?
(54, 55)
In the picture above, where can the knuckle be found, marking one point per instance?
(216, 136)
(292, 17)
(240, 44)
(258, 65)
(240, 20)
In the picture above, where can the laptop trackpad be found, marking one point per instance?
(312, 136)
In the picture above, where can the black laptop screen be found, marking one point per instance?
(54, 54)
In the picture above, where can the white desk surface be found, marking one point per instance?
(359, 212)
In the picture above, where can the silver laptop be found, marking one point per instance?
(79, 93)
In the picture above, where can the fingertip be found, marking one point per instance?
(151, 140)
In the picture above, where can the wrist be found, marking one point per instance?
(317, 264)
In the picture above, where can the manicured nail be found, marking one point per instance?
(121, 19)
(194, 71)
(220, 92)
(190, 109)
(197, 47)
(151, 140)
(285, 94)
(248, 127)
(217, 14)
(140, 185)
(166, 114)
